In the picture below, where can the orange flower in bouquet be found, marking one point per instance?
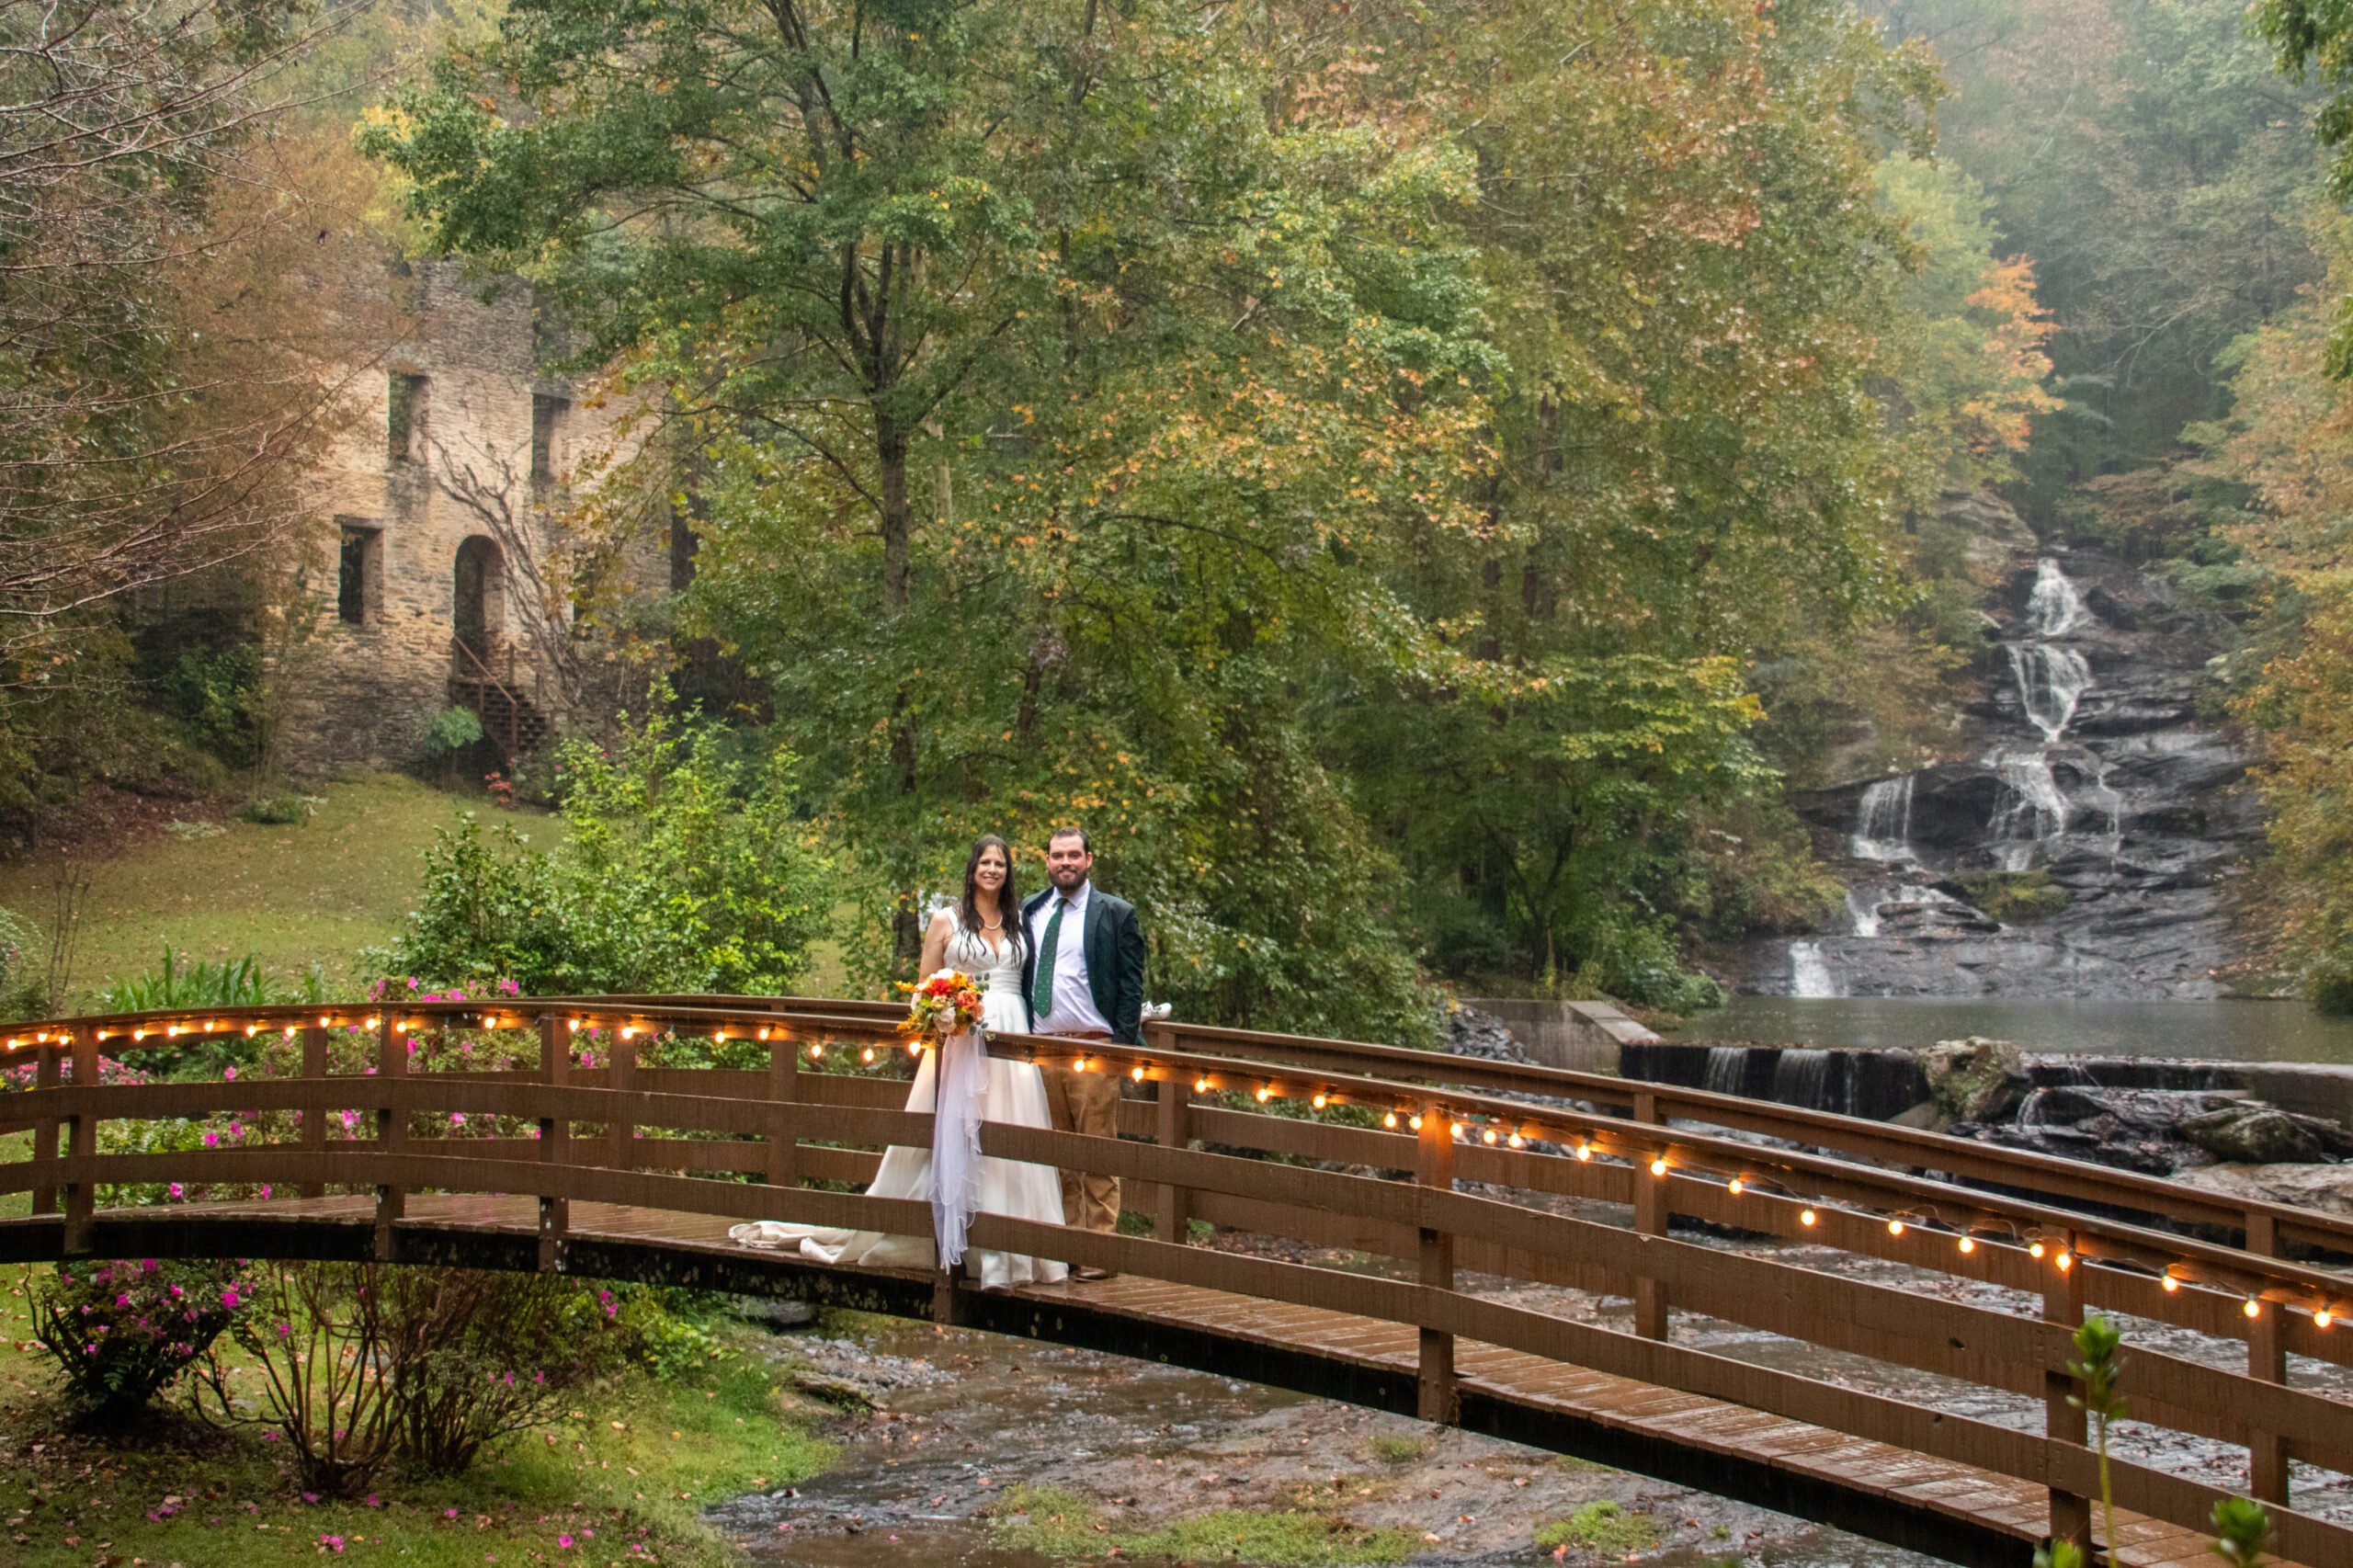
(948, 1002)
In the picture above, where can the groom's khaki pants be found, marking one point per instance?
(1087, 1103)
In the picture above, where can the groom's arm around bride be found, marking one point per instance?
(1084, 979)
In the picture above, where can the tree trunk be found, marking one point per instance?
(898, 527)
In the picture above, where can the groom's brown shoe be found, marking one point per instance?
(1088, 1272)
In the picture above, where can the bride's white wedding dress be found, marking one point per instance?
(1005, 1091)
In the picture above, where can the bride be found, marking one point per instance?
(980, 934)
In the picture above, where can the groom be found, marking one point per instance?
(1085, 975)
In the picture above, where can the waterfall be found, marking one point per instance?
(2051, 681)
(2054, 608)
(1727, 1069)
(1863, 913)
(1883, 821)
(2031, 810)
(1810, 972)
(1802, 1077)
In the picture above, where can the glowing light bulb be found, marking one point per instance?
(763, 1033)
(325, 1019)
(2251, 1308)
(1585, 1151)
(1137, 1073)
(866, 1055)
(1736, 1187)
(2171, 1284)
(1266, 1093)
(290, 1031)
(252, 1030)
(1079, 1065)
(628, 1029)
(1658, 1167)
(1457, 1129)
(1806, 1216)
(1516, 1141)
(1415, 1123)
(1488, 1136)
(141, 1034)
(1201, 1086)
(1895, 1227)
(2323, 1318)
(2065, 1261)
(2034, 1249)
(573, 1025)
(1968, 1244)
(1389, 1120)
(1320, 1101)
(817, 1052)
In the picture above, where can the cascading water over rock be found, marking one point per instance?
(2085, 794)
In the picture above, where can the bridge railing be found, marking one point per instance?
(1359, 1148)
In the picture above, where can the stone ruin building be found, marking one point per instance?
(436, 571)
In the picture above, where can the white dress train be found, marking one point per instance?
(1014, 1092)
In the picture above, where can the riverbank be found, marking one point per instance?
(624, 1478)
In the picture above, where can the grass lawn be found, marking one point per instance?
(319, 891)
(622, 1480)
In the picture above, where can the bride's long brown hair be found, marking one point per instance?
(1008, 897)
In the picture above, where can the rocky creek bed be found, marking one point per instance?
(947, 1434)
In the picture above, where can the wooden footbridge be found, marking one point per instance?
(1480, 1230)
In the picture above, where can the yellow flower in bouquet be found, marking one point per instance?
(947, 1004)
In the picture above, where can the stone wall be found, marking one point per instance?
(357, 693)
(1583, 1036)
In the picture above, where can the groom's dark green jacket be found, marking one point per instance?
(1114, 951)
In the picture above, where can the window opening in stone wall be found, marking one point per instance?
(404, 417)
(547, 420)
(476, 581)
(356, 580)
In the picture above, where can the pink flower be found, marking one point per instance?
(564, 1541)
(230, 1073)
(231, 1300)
(212, 1140)
(176, 1191)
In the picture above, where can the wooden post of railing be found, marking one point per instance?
(1651, 1219)
(315, 1120)
(45, 1076)
(2062, 1302)
(391, 1126)
(82, 1143)
(2267, 1358)
(620, 1132)
(555, 1134)
(1434, 1169)
(784, 1088)
(1172, 1221)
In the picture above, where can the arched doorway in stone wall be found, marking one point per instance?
(475, 616)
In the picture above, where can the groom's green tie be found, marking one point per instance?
(1042, 990)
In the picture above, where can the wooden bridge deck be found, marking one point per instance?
(1876, 1489)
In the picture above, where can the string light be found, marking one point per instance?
(1137, 1073)
(141, 1034)
(171, 1031)
(1457, 1129)
(573, 1025)
(1201, 1086)
(1585, 1151)
(1415, 1122)
(1080, 1065)
(1488, 1136)
(2034, 1249)
(1516, 1141)
(1320, 1101)
(1266, 1093)
(628, 1030)
(374, 1021)
(1658, 1167)
(1806, 1216)
(1895, 1227)
(2323, 1318)
(1968, 1245)
(2253, 1308)
(290, 1032)
(1389, 1120)
(816, 1051)
(866, 1055)
(2170, 1283)
(325, 1019)
(1736, 1187)
(2065, 1261)
(252, 1030)
(763, 1033)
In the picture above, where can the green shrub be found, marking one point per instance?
(1603, 1529)
(2014, 897)
(279, 808)
(177, 980)
(684, 871)
(24, 978)
(219, 698)
(120, 1330)
(447, 730)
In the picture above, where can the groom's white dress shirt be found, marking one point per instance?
(1073, 1011)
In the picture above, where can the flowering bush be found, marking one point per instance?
(120, 1331)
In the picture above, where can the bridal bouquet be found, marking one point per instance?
(947, 1004)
